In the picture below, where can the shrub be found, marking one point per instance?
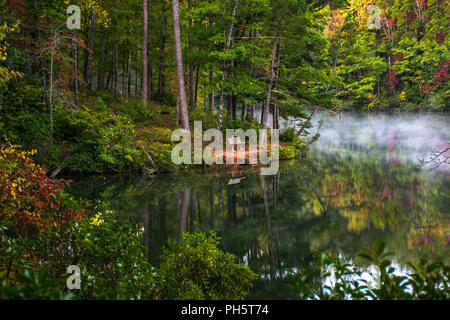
(109, 252)
(288, 135)
(288, 152)
(103, 143)
(331, 277)
(161, 154)
(28, 197)
(197, 269)
(100, 105)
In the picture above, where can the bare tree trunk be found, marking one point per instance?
(191, 87)
(211, 208)
(191, 78)
(265, 113)
(179, 60)
(129, 74)
(90, 52)
(196, 85)
(41, 57)
(101, 61)
(224, 75)
(211, 94)
(162, 48)
(50, 96)
(177, 116)
(123, 71)
(144, 88)
(116, 68)
(276, 110)
(76, 83)
(136, 78)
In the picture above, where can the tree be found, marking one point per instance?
(144, 92)
(179, 62)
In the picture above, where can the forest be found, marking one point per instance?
(91, 92)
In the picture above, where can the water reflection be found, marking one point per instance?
(348, 192)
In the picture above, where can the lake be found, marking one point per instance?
(361, 181)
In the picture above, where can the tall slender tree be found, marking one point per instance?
(179, 61)
(144, 88)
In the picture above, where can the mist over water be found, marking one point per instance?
(403, 137)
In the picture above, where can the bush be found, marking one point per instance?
(336, 278)
(28, 198)
(44, 230)
(102, 143)
(229, 123)
(197, 269)
(288, 152)
(109, 252)
(288, 135)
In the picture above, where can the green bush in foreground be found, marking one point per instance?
(197, 269)
(336, 278)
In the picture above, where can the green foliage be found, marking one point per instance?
(288, 135)
(197, 269)
(34, 285)
(103, 143)
(288, 152)
(402, 65)
(161, 154)
(229, 123)
(331, 277)
(294, 146)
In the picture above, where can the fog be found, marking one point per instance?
(405, 137)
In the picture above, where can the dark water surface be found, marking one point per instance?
(361, 182)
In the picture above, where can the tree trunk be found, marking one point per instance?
(211, 94)
(41, 56)
(50, 96)
(211, 208)
(191, 78)
(179, 61)
(123, 71)
(191, 86)
(224, 75)
(265, 113)
(90, 52)
(196, 85)
(76, 83)
(129, 74)
(162, 48)
(136, 78)
(116, 68)
(101, 61)
(144, 87)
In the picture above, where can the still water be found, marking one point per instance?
(362, 181)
